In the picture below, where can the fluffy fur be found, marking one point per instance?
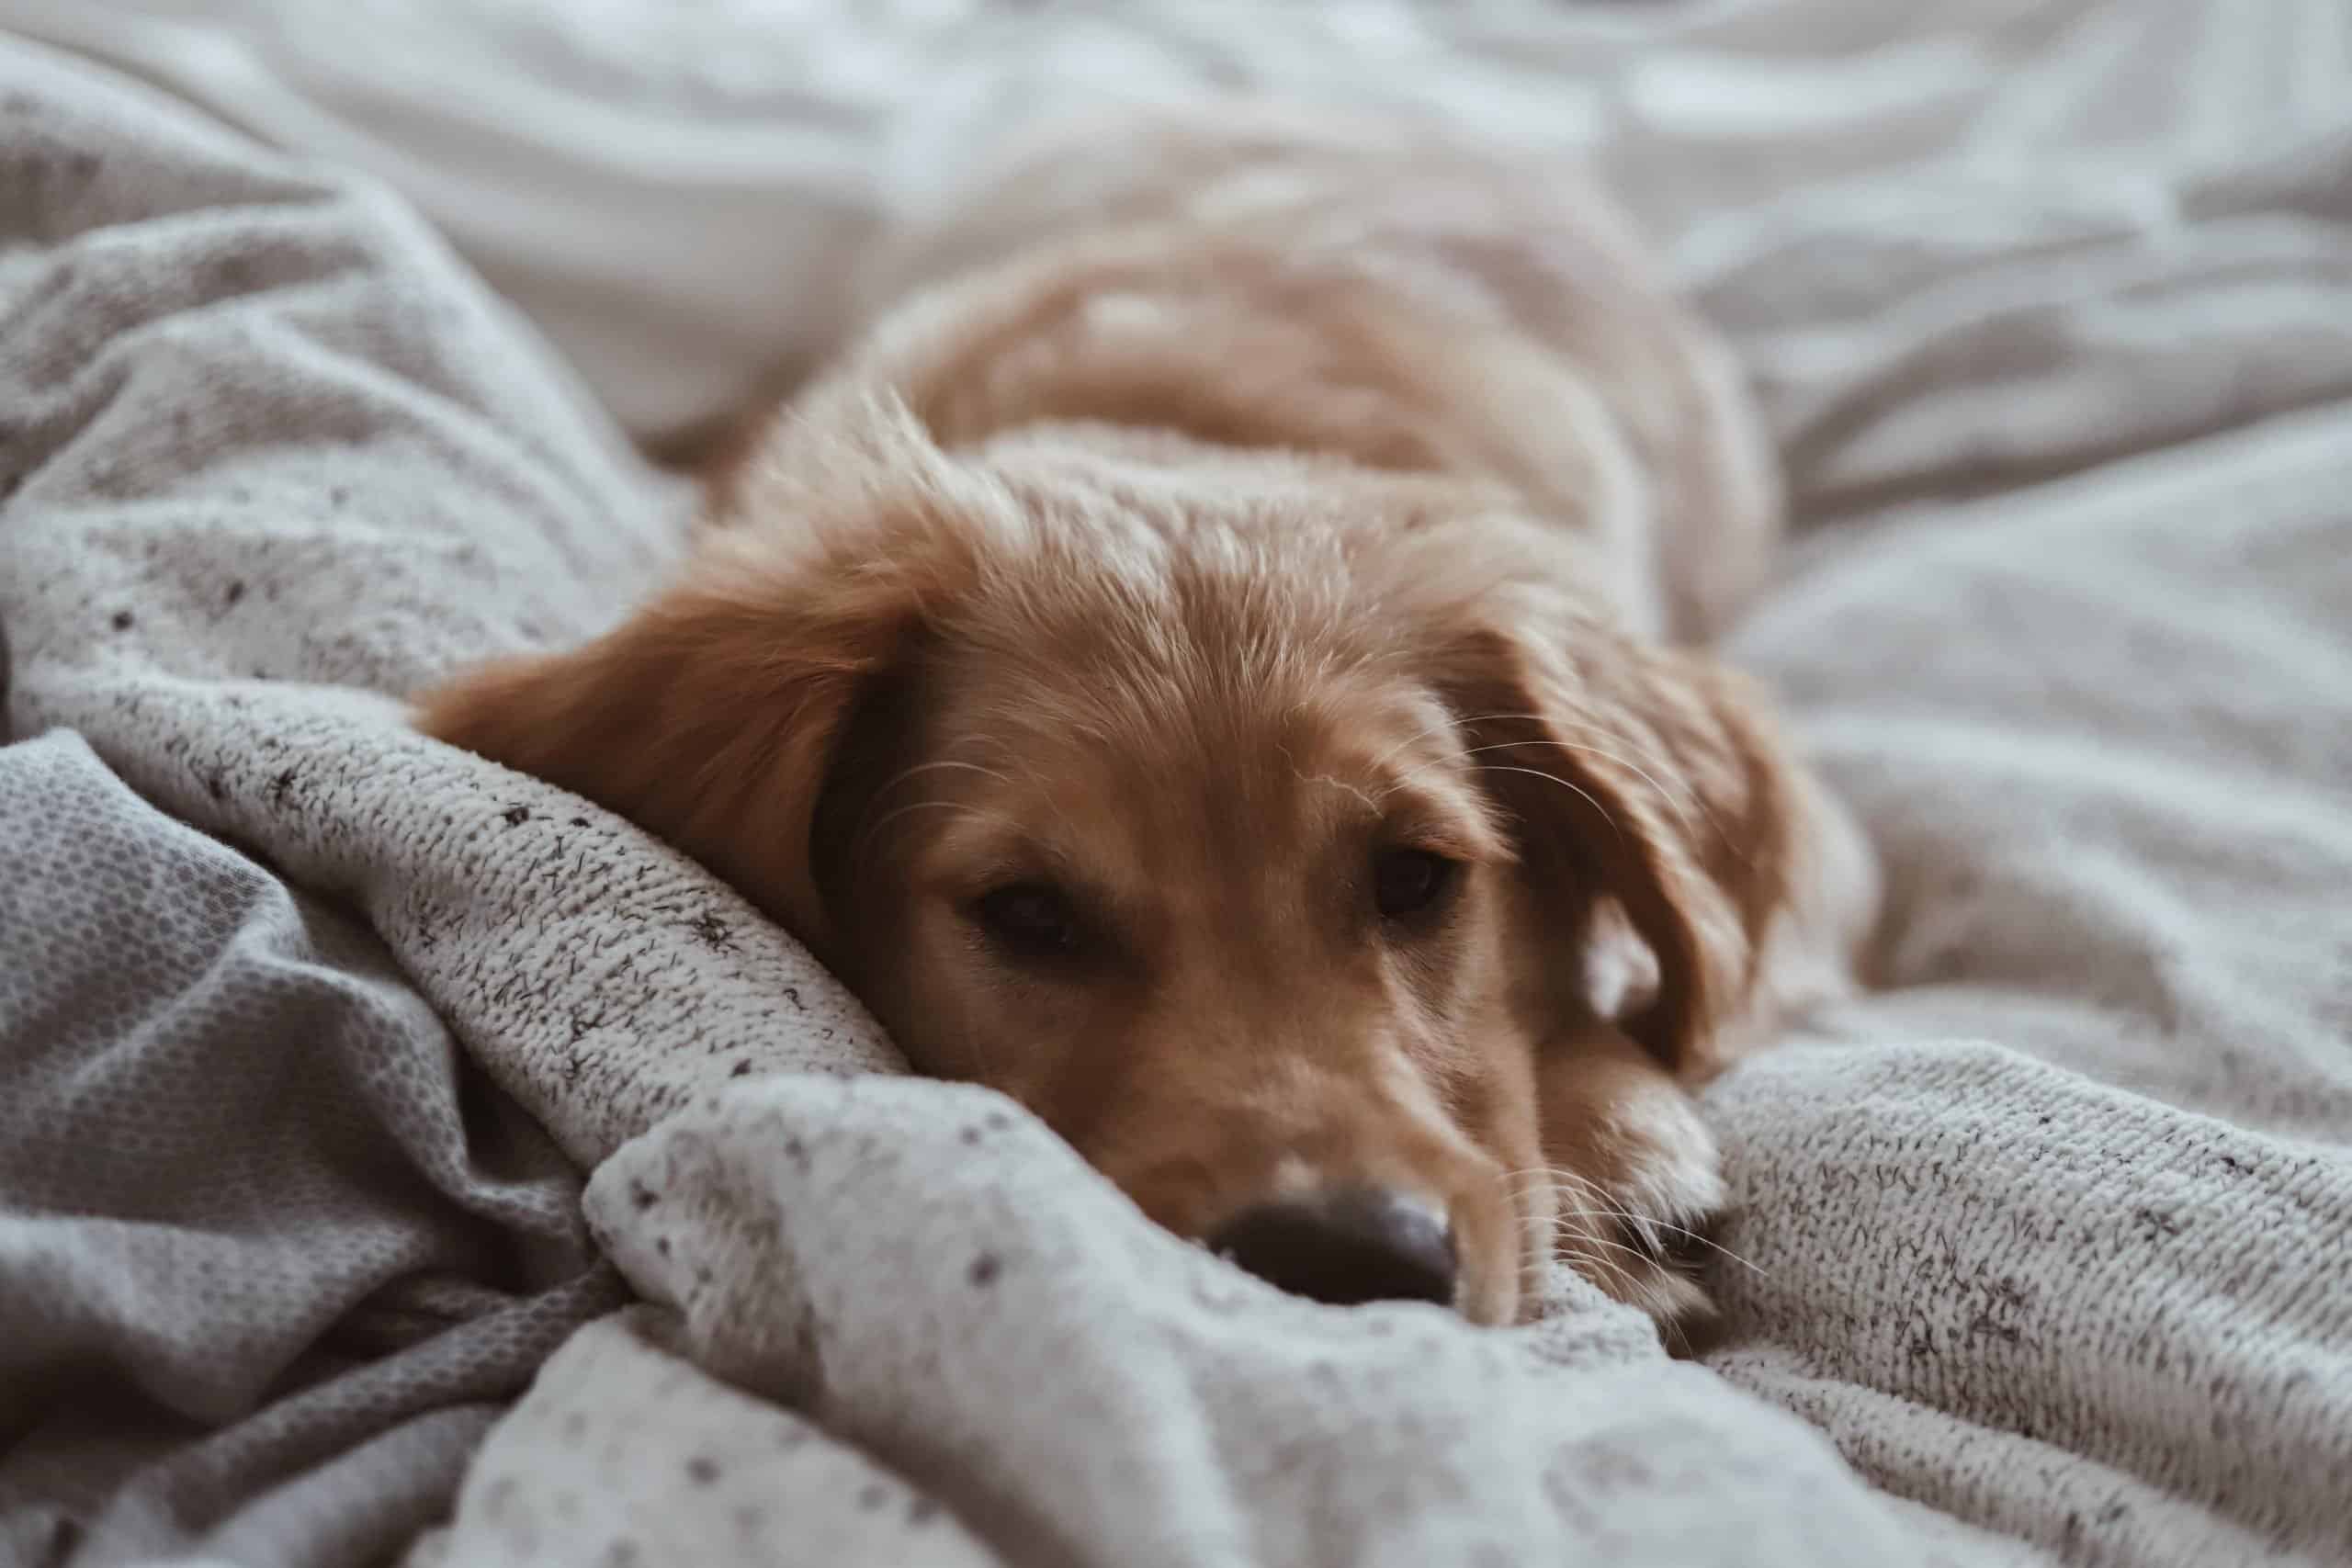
(1230, 506)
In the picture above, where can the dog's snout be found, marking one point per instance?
(1361, 1245)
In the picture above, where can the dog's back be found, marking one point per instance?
(1259, 275)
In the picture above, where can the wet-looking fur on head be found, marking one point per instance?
(1178, 729)
(1274, 781)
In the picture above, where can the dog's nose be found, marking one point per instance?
(1361, 1244)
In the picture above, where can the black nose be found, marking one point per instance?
(1364, 1244)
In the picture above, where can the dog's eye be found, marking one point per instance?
(1407, 882)
(1029, 920)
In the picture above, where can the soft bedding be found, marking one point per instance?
(2044, 1250)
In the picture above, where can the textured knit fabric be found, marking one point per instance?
(272, 1251)
(2041, 1249)
(271, 1254)
(2055, 1232)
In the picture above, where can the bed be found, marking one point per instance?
(401, 1159)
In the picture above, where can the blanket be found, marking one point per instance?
(272, 1256)
(274, 1251)
(2040, 1245)
(276, 459)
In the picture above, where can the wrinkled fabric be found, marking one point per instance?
(272, 1254)
(2037, 1245)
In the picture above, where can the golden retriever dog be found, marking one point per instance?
(1216, 661)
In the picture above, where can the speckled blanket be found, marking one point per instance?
(2041, 1244)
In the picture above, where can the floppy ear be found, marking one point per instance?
(712, 716)
(1645, 774)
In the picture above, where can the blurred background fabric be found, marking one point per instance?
(2041, 202)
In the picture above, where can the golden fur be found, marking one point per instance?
(1224, 524)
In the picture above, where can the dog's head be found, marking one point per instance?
(1248, 820)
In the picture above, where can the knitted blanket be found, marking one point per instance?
(2040, 1245)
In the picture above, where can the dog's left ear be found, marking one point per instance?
(1651, 776)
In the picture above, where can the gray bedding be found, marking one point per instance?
(274, 1252)
(2045, 1240)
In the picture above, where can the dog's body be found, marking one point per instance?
(1200, 667)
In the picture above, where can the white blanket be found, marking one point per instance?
(2048, 1238)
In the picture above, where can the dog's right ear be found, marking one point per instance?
(713, 715)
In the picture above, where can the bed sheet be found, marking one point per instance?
(2044, 1243)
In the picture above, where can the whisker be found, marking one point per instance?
(1707, 1242)
(1633, 1252)
(1658, 758)
(1674, 803)
(922, 768)
(1591, 1201)
(1447, 722)
(1677, 806)
(865, 830)
(1689, 797)
(867, 834)
(1549, 778)
(1590, 1263)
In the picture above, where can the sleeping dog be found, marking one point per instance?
(1218, 661)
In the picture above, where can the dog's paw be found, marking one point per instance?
(1637, 1190)
(1648, 1254)
(1664, 1260)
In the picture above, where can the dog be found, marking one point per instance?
(1219, 659)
